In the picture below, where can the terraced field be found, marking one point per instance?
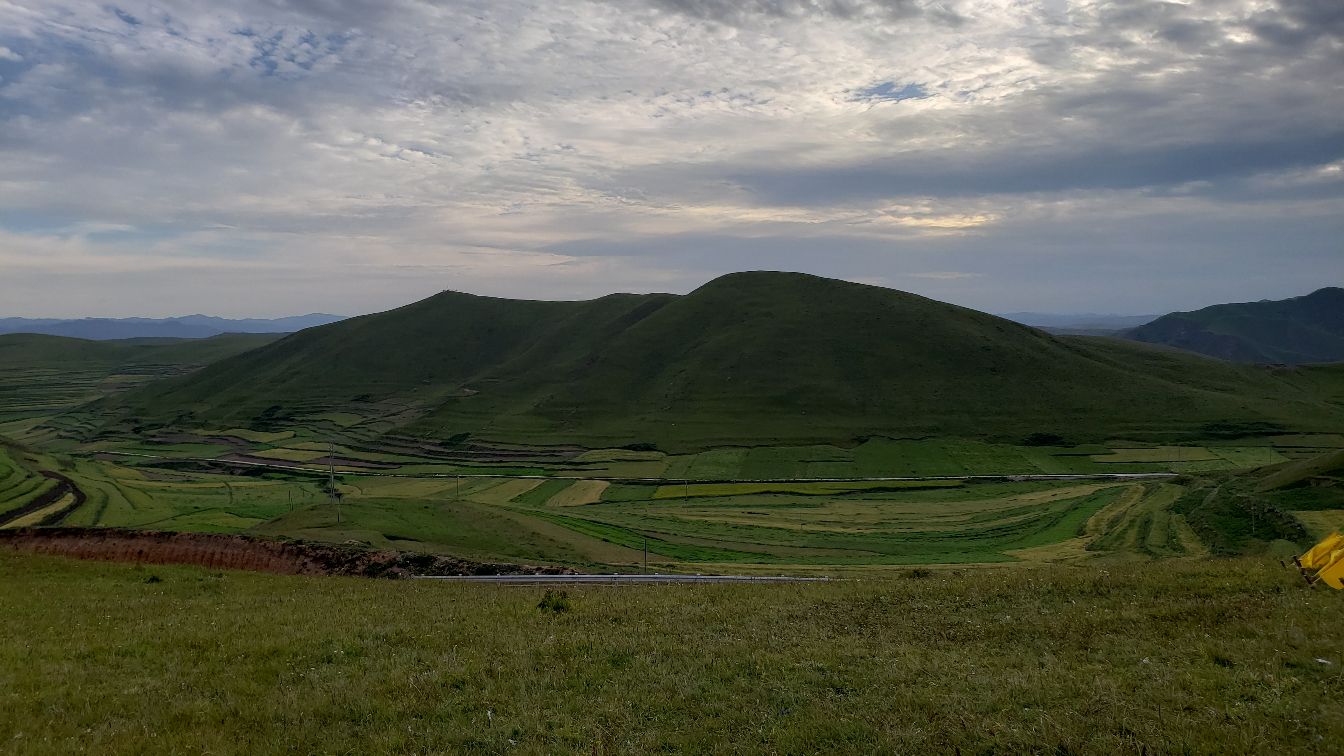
(724, 508)
(765, 507)
(358, 446)
(19, 483)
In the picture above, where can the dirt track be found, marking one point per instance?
(247, 553)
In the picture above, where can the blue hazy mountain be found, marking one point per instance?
(186, 327)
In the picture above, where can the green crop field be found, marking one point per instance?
(1230, 656)
(799, 525)
(19, 483)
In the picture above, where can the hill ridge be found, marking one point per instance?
(744, 358)
(1297, 330)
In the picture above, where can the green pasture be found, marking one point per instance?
(1178, 656)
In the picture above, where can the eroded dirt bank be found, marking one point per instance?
(238, 552)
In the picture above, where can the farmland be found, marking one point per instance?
(793, 524)
(805, 508)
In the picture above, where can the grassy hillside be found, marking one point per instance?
(1172, 657)
(747, 358)
(43, 374)
(1323, 469)
(1285, 506)
(1293, 331)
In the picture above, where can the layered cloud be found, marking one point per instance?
(270, 156)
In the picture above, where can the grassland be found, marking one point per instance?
(1167, 657)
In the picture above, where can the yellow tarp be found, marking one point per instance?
(1319, 554)
(1325, 562)
(1332, 574)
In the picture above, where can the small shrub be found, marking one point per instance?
(555, 602)
(919, 573)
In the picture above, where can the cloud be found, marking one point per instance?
(744, 11)
(657, 143)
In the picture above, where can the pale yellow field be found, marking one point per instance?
(504, 491)
(36, 517)
(579, 493)
(290, 455)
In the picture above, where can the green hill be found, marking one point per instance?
(39, 351)
(42, 374)
(1326, 468)
(747, 358)
(1292, 331)
(1249, 512)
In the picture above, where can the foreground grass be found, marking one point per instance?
(1170, 657)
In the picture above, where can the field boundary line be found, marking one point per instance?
(1013, 477)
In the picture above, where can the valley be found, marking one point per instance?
(994, 445)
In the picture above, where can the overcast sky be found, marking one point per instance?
(273, 157)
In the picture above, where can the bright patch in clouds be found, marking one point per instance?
(268, 157)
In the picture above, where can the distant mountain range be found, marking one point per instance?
(186, 327)
(747, 358)
(1290, 331)
(1079, 324)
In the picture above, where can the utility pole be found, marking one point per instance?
(686, 483)
(331, 480)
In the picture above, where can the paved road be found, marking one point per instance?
(616, 579)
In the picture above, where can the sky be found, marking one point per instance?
(273, 157)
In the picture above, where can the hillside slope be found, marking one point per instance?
(27, 351)
(40, 374)
(1292, 331)
(747, 358)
